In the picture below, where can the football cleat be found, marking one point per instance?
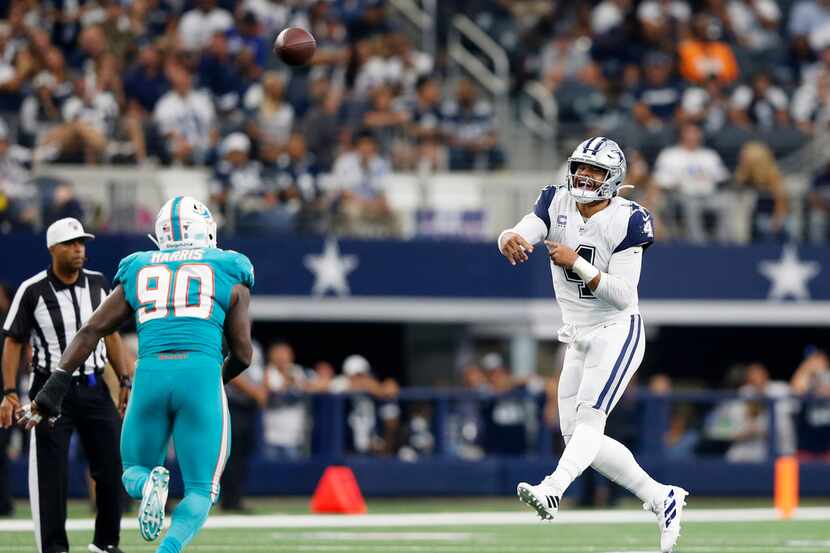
(153, 499)
(541, 497)
(669, 510)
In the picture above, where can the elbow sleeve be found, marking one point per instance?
(618, 286)
(531, 228)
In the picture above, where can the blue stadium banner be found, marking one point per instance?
(768, 276)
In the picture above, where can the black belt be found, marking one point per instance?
(78, 379)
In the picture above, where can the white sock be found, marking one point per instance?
(580, 452)
(617, 463)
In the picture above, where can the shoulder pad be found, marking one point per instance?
(640, 229)
(243, 269)
(543, 204)
(124, 269)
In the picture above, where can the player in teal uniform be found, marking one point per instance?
(184, 297)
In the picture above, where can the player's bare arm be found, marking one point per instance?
(515, 248)
(238, 334)
(12, 351)
(107, 318)
(115, 354)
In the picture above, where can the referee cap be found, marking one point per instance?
(64, 230)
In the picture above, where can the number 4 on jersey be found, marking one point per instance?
(587, 253)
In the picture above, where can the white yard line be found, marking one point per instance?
(409, 520)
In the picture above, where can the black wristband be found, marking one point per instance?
(9, 391)
(125, 381)
(50, 397)
(232, 368)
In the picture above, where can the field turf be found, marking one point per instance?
(487, 535)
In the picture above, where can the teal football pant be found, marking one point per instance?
(179, 395)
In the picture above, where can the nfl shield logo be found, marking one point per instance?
(561, 220)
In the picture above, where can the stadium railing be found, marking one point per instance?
(506, 440)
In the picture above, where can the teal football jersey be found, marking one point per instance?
(181, 297)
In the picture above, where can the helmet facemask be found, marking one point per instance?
(585, 189)
(601, 153)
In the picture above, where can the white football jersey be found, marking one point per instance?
(623, 224)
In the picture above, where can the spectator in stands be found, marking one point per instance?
(364, 415)
(414, 64)
(705, 55)
(658, 98)
(92, 46)
(505, 417)
(762, 105)
(466, 426)
(17, 192)
(246, 198)
(90, 117)
(818, 206)
(270, 117)
(758, 174)
(742, 427)
(360, 177)
(386, 121)
(17, 66)
(286, 420)
(296, 176)
(322, 127)
(692, 173)
(664, 21)
(248, 35)
(186, 119)
(144, 85)
(219, 73)
(41, 108)
(682, 438)
(811, 382)
(365, 19)
(808, 19)
(41, 114)
(754, 24)
(470, 127)
(757, 384)
(59, 201)
(118, 32)
(247, 398)
(320, 377)
(706, 106)
(565, 58)
(811, 104)
(425, 110)
(198, 25)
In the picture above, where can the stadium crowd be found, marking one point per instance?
(708, 97)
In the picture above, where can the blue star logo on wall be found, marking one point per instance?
(330, 269)
(789, 275)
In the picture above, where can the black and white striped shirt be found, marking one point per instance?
(47, 312)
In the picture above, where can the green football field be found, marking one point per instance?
(447, 526)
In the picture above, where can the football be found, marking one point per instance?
(295, 46)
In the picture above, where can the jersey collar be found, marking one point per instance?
(58, 284)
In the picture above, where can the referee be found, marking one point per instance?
(47, 310)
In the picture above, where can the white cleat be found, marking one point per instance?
(669, 511)
(153, 499)
(542, 497)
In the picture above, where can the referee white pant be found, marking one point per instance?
(598, 366)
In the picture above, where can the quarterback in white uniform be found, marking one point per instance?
(596, 241)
